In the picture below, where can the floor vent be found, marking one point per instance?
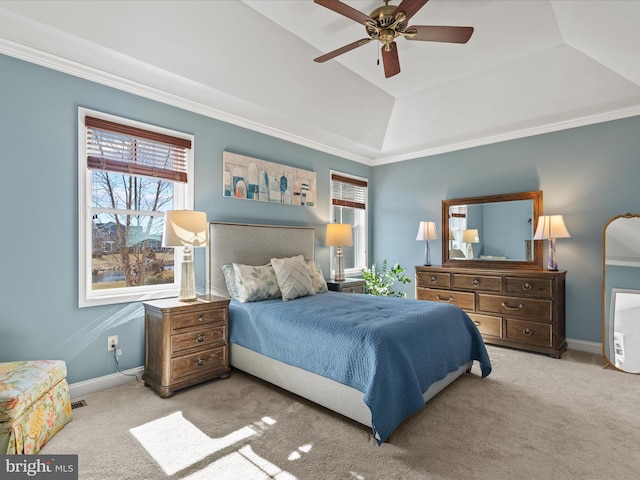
(78, 404)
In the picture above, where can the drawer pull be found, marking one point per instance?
(476, 282)
(200, 338)
(433, 279)
(200, 362)
(450, 299)
(527, 331)
(476, 323)
(527, 286)
(519, 307)
(200, 318)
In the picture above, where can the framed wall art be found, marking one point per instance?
(263, 181)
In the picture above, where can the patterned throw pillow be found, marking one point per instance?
(255, 283)
(293, 277)
(317, 278)
(230, 280)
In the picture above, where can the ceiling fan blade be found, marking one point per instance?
(390, 60)
(433, 33)
(344, 9)
(341, 50)
(410, 7)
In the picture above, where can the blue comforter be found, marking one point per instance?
(390, 349)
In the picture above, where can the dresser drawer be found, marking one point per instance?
(433, 279)
(201, 338)
(464, 300)
(198, 363)
(531, 307)
(540, 287)
(528, 332)
(491, 326)
(477, 282)
(184, 320)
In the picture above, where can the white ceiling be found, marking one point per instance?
(530, 67)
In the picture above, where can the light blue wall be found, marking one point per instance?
(39, 317)
(588, 174)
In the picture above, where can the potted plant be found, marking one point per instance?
(380, 282)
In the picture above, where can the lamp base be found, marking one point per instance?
(469, 251)
(552, 264)
(188, 281)
(339, 271)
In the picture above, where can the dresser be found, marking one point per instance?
(515, 308)
(186, 343)
(348, 285)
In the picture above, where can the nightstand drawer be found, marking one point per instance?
(433, 279)
(528, 332)
(198, 363)
(464, 300)
(487, 325)
(353, 289)
(477, 282)
(192, 319)
(201, 338)
(530, 307)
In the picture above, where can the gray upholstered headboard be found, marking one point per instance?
(252, 245)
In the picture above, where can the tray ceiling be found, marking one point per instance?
(530, 67)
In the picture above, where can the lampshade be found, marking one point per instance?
(470, 236)
(184, 228)
(339, 235)
(551, 226)
(427, 231)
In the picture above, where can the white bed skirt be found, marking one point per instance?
(333, 395)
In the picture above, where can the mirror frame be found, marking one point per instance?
(605, 340)
(535, 264)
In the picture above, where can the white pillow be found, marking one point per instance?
(293, 277)
(255, 283)
(317, 278)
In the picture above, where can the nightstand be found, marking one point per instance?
(185, 343)
(349, 285)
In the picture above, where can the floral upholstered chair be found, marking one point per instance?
(34, 404)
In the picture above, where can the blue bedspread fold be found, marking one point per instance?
(390, 349)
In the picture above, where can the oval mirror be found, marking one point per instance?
(621, 293)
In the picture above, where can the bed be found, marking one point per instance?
(303, 346)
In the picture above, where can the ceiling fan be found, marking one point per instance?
(388, 22)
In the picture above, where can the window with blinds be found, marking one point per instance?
(349, 205)
(130, 174)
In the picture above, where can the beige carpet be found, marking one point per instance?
(534, 417)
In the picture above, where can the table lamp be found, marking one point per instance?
(427, 231)
(339, 235)
(187, 229)
(551, 227)
(470, 236)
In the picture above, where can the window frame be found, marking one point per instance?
(362, 248)
(183, 198)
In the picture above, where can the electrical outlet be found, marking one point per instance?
(112, 343)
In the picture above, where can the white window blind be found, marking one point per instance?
(121, 148)
(348, 192)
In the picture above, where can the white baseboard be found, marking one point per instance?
(584, 346)
(78, 390)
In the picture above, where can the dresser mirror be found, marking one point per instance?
(621, 293)
(494, 231)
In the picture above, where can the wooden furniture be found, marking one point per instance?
(505, 227)
(186, 343)
(349, 285)
(514, 308)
